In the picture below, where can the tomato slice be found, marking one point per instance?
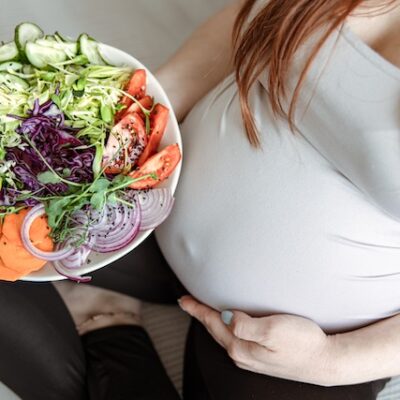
(162, 164)
(146, 102)
(158, 123)
(125, 144)
(137, 84)
(136, 87)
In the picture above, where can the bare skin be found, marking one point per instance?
(93, 308)
(379, 31)
(190, 69)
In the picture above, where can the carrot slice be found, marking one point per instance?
(46, 244)
(7, 274)
(17, 258)
(39, 230)
(20, 262)
(16, 261)
(12, 228)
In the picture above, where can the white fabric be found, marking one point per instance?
(151, 30)
(300, 226)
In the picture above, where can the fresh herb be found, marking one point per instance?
(60, 210)
(49, 177)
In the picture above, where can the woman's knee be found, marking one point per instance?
(94, 308)
(41, 354)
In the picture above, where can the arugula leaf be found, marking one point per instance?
(48, 177)
(121, 180)
(101, 185)
(98, 200)
(120, 107)
(6, 210)
(112, 198)
(83, 201)
(55, 209)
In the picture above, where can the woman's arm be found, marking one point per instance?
(202, 62)
(295, 348)
(368, 353)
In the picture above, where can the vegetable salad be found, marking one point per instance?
(79, 154)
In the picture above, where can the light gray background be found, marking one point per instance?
(150, 30)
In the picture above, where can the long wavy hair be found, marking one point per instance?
(271, 40)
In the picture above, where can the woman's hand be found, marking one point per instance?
(284, 346)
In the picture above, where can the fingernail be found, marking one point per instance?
(180, 304)
(226, 317)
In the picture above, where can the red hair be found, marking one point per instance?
(270, 41)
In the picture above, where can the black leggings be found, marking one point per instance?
(43, 358)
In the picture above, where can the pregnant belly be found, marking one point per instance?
(278, 230)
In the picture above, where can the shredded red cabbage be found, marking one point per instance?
(67, 155)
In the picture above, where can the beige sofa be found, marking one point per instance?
(150, 30)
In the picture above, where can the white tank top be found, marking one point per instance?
(310, 224)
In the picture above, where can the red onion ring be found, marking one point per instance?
(113, 217)
(76, 259)
(80, 218)
(34, 213)
(68, 275)
(122, 226)
(96, 218)
(80, 234)
(155, 205)
(67, 266)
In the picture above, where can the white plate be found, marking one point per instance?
(172, 135)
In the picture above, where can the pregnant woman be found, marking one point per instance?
(287, 220)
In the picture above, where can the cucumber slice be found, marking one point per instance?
(8, 52)
(26, 32)
(13, 82)
(71, 49)
(28, 69)
(89, 48)
(41, 56)
(10, 66)
(105, 60)
(46, 42)
(64, 38)
(50, 38)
